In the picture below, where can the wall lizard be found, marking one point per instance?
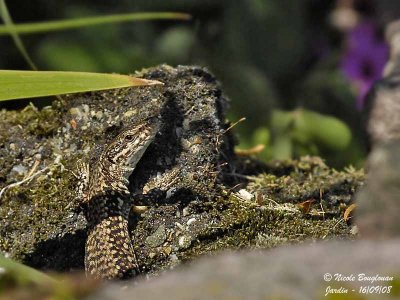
(106, 201)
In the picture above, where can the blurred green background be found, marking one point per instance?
(279, 61)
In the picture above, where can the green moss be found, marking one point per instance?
(245, 224)
(275, 218)
(305, 179)
(32, 211)
(42, 122)
(49, 195)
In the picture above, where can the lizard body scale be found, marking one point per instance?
(106, 200)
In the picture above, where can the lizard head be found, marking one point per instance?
(125, 151)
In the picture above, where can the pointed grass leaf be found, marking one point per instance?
(29, 84)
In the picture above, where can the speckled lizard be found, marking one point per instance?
(106, 202)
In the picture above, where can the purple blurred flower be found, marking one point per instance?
(364, 59)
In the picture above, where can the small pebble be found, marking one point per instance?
(20, 169)
(130, 113)
(170, 193)
(85, 108)
(354, 230)
(167, 250)
(157, 238)
(179, 225)
(173, 257)
(245, 195)
(99, 115)
(185, 211)
(190, 221)
(184, 242)
(186, 124)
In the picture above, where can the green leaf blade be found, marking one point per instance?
(30, 28)
(29, 84)
(23, 273)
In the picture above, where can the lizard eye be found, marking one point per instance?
(129, 137)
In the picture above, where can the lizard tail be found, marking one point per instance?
(109, 253)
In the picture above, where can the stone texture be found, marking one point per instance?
(378, 208)
(291, 272)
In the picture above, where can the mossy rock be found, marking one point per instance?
(219, 201)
